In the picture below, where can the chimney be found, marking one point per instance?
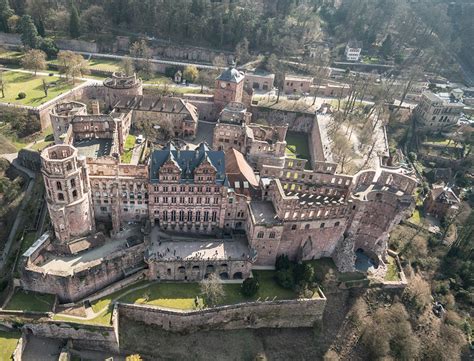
(95, 107)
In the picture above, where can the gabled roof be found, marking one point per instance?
(188, 161)
(157, 104)
(237, 167)
(444, 195)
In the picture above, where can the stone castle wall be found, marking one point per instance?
(297, 121)
(90, 279)
(273, 314)
(98, 338)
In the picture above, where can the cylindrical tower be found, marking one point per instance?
(61, 116)
(120, 85)
(67, 192)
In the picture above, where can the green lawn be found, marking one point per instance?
(104, 64)
(182, 296)
(128, 149)
(392, 270)
(297, 145)
(33, 87)
(8, 342)
(30, 301)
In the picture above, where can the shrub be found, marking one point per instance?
(284, 278)
(21, 95)
(304, 273)
(250, 287)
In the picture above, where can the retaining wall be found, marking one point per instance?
(272, 314)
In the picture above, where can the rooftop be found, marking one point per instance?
(94, 148)
(188, 161)
(231, 74)
(264, 213)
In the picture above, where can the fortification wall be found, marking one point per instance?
(275, 314)
(70, 287)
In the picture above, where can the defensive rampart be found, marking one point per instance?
(272, 314)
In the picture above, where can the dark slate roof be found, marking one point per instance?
(231, 74)
(188, 161)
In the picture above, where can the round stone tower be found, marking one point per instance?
(120, 85)
(61, 116)
(67, 192)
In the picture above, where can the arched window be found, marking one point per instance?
(272, 235)
(60, 196)
(73, 183)
(337, 224)
(59, 186)
(260, 234)
(322, 225)
(74, 194)
(306, 226)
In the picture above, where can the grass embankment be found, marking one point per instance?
(32, 86)
(128, 149)
(30, 301)
(8, 342)
(181, 296)
(11, 143)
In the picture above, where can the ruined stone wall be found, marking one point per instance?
(311, 239)
(98, 338)
(90, 279)
(279, 314)
(297, 121)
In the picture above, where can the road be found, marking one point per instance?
(155, 61)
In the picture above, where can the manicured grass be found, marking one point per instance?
(104, 64)
(30, 301)
(392, 270)
(297, 145)
(158, 79)
(128, 149)
(8, 342)
(11, 55)
(183, 295)
(33, 87)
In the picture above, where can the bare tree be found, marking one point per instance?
(3, 84)
(127, 66)
(34, 59)
(212, 289)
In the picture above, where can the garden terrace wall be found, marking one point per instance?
(273, 314)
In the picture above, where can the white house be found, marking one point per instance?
(353, 50)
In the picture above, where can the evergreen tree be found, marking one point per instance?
(29, 34)
(19, 6)
(387, 47)
(74, 22)
(5, 12)
(40, 27)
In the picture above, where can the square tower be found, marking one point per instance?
(229, 87)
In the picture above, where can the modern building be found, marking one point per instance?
(438, 110)
(353, 50)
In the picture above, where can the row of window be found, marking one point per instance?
(188, 216)
(183, 189)
(182, 200)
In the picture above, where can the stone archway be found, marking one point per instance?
(237, 276)
(224, 276)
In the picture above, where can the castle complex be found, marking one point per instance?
(186, 209)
